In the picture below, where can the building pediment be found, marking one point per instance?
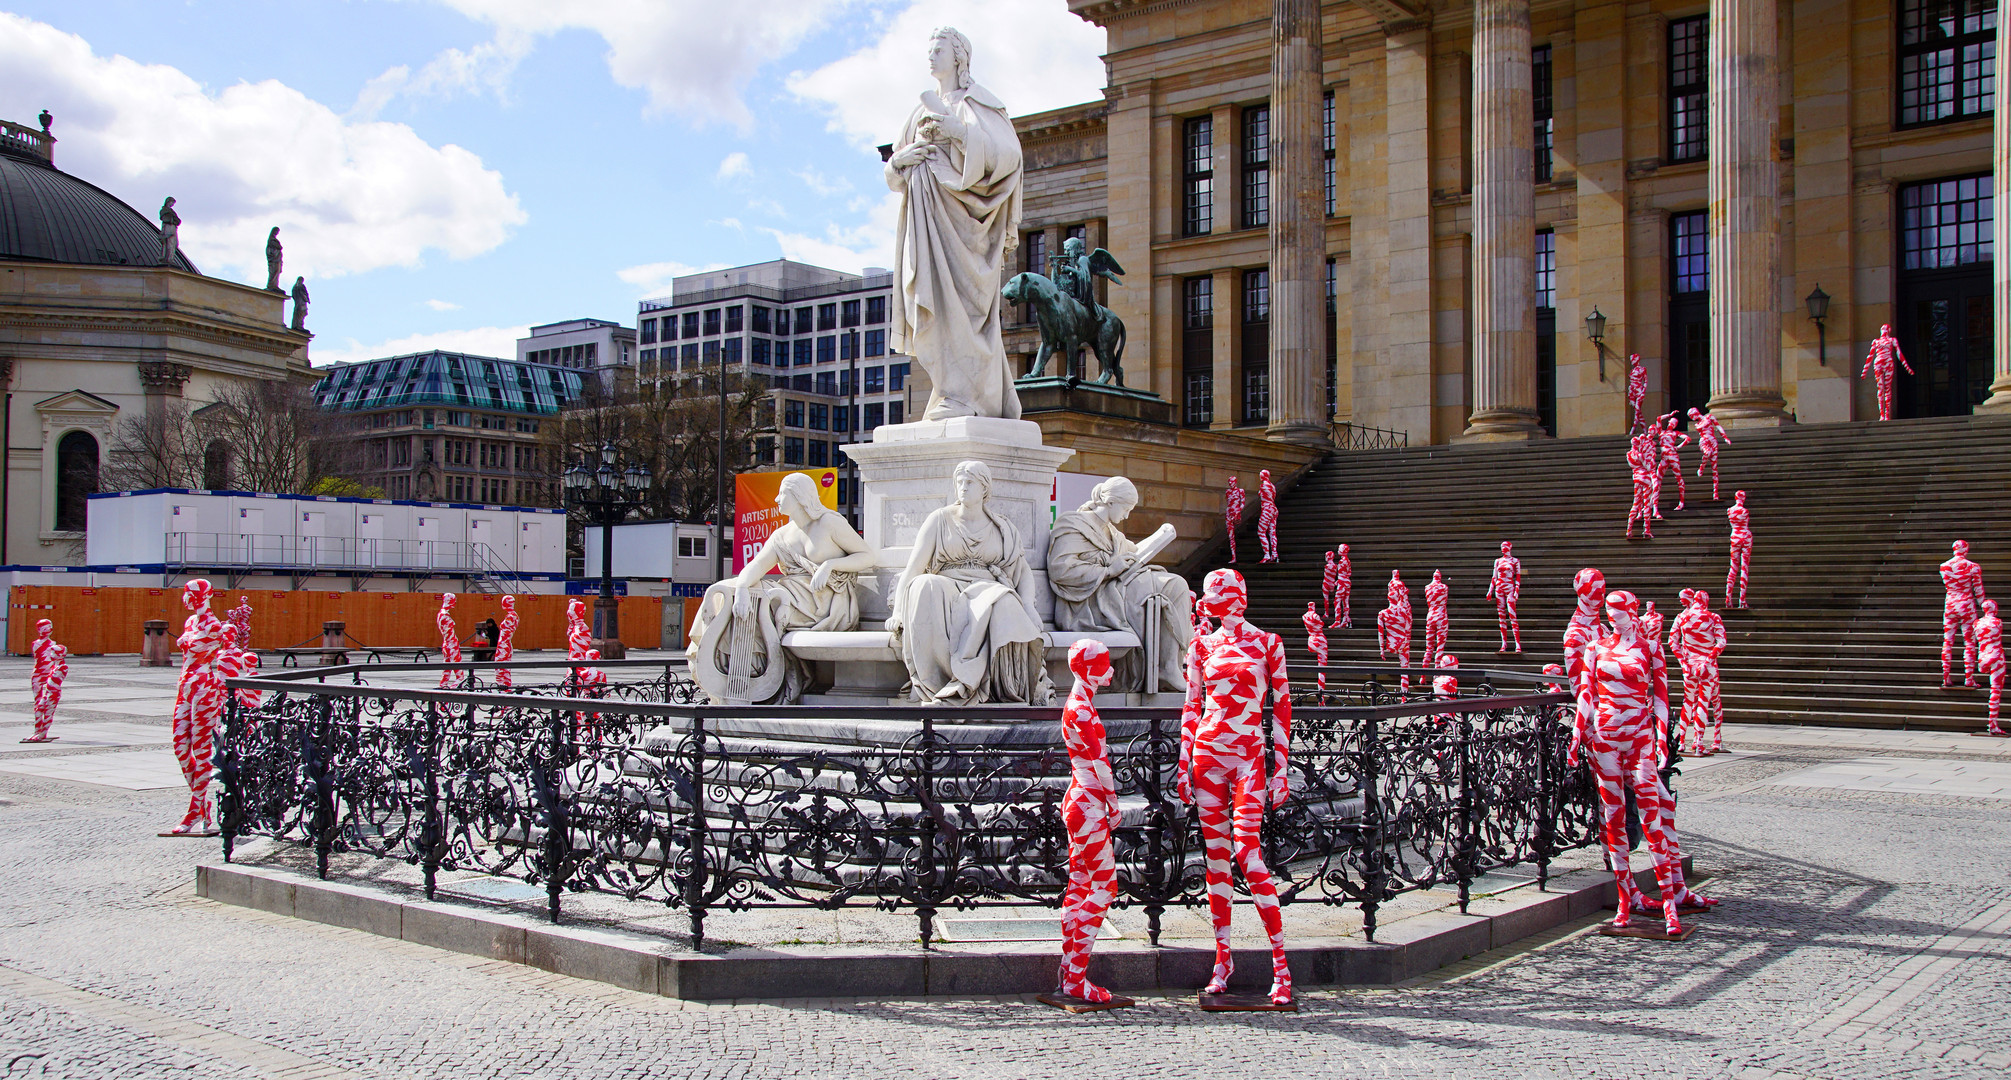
(76, 402)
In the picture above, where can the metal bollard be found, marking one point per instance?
(332, 634)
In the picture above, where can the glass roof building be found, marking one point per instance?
(455, 380)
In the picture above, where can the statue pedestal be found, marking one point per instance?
(905, 474)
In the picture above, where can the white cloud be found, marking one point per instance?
(691, 57)
(348, 196)
(732, 165)
(840, 248)
(823, 185)
(653, 279)
(481, 341)
(1032, 53)
(487, 66)
(443, 305)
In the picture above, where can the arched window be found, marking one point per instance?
(76, 479)
(216, 466)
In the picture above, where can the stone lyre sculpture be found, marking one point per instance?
(964, 621)
(736, 653)
(1102, 581)
(957, 169)
(275, 258)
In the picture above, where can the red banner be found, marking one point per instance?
(754, 513)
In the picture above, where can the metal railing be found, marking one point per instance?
(348, 553)
(644, 794)
(1350, 436)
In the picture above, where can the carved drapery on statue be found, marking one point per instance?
(1103, 582)
(964, 621)
(958, 172)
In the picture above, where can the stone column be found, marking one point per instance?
(2000, 237)
(1504, 227)
(1298, 228)
(161, 380)
(1745, 187)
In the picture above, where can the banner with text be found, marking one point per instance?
(754, 513)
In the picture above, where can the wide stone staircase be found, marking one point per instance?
(1849, 520)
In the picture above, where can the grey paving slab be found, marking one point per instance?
(1907, 775)
(133, 770)
(83, 734)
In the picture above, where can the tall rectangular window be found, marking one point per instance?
(803, 320)
(733, 319)
(1333, 349)
(876, 343)
(1256, 346)
(1540, 98)
(1546, 330)
(760, 319)
(803, 356)
(849, 314)
(1546, 269)
(648, 335)
(1197, 169)
(827, 316)
(1327, 144)
(827, 349)
(1947, 60)
(1034, 248)
(1945, 223)
(1256, 166)
(1690, 236)
(1197, 350)
(1687, 133)
(712, 321)
(876, 310)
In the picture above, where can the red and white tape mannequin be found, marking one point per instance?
(1990, 658)
(1505, 589)
(591, 682)
(1328, 578)
(1697, 637)
(1222, 766)
(1393, 627)
(1437, 618)
(1558, 671)
(1089, 812)
(1741, 551)
(46, 680)
(1316, 642)
(1878, 364)
(198, 706)
(1673, 442)
(1962, 583)
(240, 617)
(1646, 491)
(1637, 390)
(1628, 742)
(450, 643)
(1344, 586)
(1709, 434)
(506, 638)
(1267, 515)
(1445, 687)
(1233, 502)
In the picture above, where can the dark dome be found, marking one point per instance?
(50, 216)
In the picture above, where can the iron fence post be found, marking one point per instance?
(1548, 793)
(1371, 832)
(1464, 858)
(694, 879)
(231, 811)
(1157, 818)
(432, 826)
(321, 780)
(557, 826)
(925, 773)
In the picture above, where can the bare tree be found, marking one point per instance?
(251, 436)
(158, 449)
(673, 429)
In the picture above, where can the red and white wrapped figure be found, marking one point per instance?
(1393, 627)
(1741, 520)
(1328, 579)
(1505, 589)
(1709, 434)
(506, 639)
(1089, 812)
(578, 637)
(238, 661)
(1646, 491)
(590, 682)
(1555, 670)
(1637, 390)
(1316, 642)
(46, 680)
(1629, 741)
(1962, 583)
(1990, 658)
(1222, 764)
(450, 643)
(199, 700)
(1445, 687)
(1878, 364)
(1697, 637)
(1673, 442)
(1651, 623)
(240, 617)
(1344, 587)
(1651, 458)
(1232, 513)
(1267, 515)
(1437, 618)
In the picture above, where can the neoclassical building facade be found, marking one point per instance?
(101, 320)
(1400, 215)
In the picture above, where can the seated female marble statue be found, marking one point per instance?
(736, 653)
(1102, 582)
(963, 612)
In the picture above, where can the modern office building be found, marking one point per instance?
(453, 427)
(594, 345)
(816, 337)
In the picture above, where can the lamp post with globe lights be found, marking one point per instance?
(606, 495)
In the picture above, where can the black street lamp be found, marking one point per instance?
(1818, 302)
(606, 495)
(1595, 328)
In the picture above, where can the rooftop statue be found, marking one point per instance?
(275, 257)
(957, 168)
(300, 299)
(171, 227)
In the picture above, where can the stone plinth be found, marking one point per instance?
(905, 474)
(1051, 393)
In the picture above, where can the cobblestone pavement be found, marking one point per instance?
(1865, 933)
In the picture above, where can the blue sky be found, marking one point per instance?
(447, 172)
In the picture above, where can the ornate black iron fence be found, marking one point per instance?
(641, 794)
